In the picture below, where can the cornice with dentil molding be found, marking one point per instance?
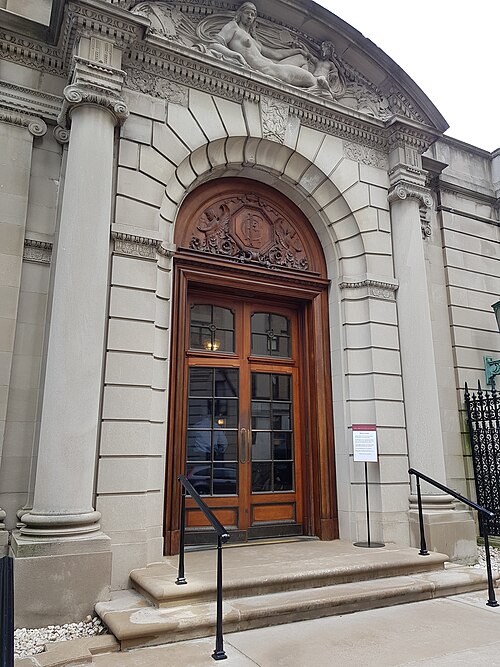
(143, 247)
(27, 107)
(157, 60)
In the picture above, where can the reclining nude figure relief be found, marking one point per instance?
(238, 41)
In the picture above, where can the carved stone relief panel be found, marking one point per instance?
(247, 40)
(250, 229)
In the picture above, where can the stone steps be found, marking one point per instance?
(274, 584)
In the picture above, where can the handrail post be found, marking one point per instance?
(492, 601)
(423, 546)
(181, 579)
(6, 611)
(219, 653)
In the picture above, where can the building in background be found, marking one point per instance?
(227, 234)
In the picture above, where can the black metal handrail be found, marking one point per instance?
(483, 513)
(222, 538)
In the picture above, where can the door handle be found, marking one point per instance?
(249, 446)
(242, 445)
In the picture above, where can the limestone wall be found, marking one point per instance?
(464, 265)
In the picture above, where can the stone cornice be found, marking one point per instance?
(408, 134)
(140, 246)
(147, 65)
(37, 251)
(81, 18)
(170, 61)
(91, 18)
(28, 108)
(94, 84)
(378, 289)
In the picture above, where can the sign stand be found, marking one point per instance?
(365, 449)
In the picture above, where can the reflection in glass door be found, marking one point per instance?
(212, 430)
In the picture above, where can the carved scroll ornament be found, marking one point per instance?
(249, 229)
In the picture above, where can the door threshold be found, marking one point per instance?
(254, 542)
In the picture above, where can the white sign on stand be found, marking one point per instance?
(364, 439)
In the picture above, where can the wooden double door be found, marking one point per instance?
(243, 437)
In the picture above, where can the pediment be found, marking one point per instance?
(348, 68)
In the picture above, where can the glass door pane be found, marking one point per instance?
(212, 430)
(272, 433)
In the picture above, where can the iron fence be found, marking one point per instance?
(483, 415)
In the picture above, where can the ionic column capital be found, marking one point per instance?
(97, 85)
(404, 189)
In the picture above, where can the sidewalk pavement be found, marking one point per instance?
(456, 631)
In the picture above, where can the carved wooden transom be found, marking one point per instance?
(248, 223)
(249, 228)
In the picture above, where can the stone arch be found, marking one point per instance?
(288, 171)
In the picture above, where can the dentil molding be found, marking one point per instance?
(27, 107)
(37, 251)
(140, 246)
(377, 289)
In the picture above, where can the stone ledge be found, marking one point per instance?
(74, 651)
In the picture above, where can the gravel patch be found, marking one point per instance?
(29, 641)
(494, 556)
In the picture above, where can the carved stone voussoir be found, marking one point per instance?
(274, 119)
(37, 251)
(366, 155)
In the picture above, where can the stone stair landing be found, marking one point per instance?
(269, 584)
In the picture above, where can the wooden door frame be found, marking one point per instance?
(193, 271)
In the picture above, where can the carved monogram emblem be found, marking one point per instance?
(249, 229)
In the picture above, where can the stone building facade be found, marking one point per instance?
(163, 157)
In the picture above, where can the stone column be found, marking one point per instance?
(16, 138)
(64, 485)
(410, 204)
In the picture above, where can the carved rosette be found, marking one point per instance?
(251, 230)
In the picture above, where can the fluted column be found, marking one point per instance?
(64, 486)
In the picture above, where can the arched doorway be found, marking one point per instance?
(250, 409)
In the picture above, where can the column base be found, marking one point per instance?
(54, 526)
(59, 581)
(448, 531)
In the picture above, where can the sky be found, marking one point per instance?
(451, 49)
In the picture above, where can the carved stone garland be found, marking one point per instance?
(249, 229)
